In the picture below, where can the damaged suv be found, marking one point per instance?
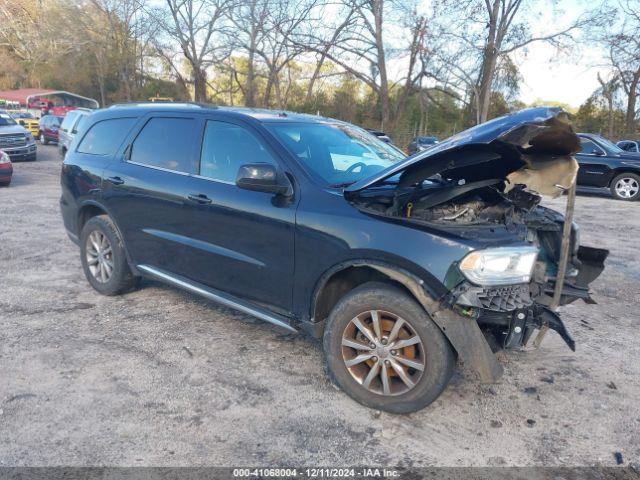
(401, 265)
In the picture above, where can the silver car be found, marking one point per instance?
(69, 127)
(15, 140)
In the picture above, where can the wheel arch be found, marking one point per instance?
(620, 170)
(463, 333)
(340, 279)
(91, 209)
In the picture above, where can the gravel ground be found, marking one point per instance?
(161, 377)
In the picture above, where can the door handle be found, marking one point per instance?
(200, 198)
(115, 180)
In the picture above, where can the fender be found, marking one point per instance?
(463, 333)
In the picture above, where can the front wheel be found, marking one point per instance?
(626, 186)
(103, 257)
(383, 350)
(43, 139)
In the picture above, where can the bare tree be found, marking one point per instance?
(356, 43)
(194, 26)
(624, 54)
(491, 32)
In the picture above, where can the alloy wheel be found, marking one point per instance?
(383, 352)
(627, 187)
(99, 256)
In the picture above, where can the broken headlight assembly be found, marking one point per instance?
(499, 266)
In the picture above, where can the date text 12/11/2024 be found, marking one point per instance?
(316, 473)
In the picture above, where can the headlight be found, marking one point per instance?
(30, 138)
(4, 158)
(499, 266)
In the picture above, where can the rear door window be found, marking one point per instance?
(166, 142)
(104, 137)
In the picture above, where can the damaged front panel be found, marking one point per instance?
(486, 184)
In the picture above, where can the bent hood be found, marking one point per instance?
(533, 147)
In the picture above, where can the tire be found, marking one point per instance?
(434, 352)
(5, 184)
(43, 139)
(626, 186)
(120, 279)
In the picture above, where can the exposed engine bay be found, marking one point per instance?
(491, 192)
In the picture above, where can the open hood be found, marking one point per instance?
(532, 147)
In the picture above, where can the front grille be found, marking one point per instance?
(505, 298)
(15, 140)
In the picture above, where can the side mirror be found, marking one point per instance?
(599, 153)
(263, 177)
(21, 122)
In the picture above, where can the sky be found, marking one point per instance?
(568, 77)
(547, 78)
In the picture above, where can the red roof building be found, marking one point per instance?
(37, 97)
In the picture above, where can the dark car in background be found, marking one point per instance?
(419, 144)
(629, 146)
(49, 128)
(69, 128)
(401, 265)
(15, 140)
(6, 169)
(604, 164)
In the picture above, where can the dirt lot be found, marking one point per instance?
(160, 377)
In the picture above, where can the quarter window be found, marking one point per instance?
(104, 138)
(226, 147)
(165, 143)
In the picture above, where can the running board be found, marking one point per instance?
(216, 296)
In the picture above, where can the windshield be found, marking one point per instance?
(610, 145)
(338, 154)
(5, 119)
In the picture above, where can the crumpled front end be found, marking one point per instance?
(485, 185)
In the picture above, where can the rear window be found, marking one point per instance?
(166, 143)
(104, 137)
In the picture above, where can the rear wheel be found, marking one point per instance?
(626, 186)
(384, 350)
(103, 257)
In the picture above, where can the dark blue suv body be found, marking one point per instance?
(313, 224)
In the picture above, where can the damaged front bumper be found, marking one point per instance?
(509, 315)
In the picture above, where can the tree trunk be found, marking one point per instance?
(314, 77)
(199, 84)
(489, 61)
(250, 88)
(630, 117)
(383, 94)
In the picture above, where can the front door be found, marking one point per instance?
(242, 241)
(593, 171)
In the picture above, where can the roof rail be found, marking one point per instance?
(162, 104)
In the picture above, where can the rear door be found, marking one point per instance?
(242, 242)
(146, 190)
